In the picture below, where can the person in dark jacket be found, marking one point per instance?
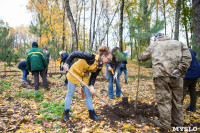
(190, 80)
(88, 62)
(123, 68)
(22, 66)
(64, 55)
(37, 64)
(112, 73)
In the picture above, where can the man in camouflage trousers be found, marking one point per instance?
(170, 59)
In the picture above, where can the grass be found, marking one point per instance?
(5, 85)
(52, 110)
(38, 96)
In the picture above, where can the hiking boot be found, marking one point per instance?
(156, 123)
(126, 82)
(66, 117)
(189, 108)
(93, 115)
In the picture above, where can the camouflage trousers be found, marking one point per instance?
(169, 93)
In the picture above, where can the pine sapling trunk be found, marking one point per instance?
(5, 68)
(136, 97)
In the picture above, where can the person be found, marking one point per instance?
(47, 54)
(37, 64)
(190, 80)
(64, 55)
(88, 62)
(170, 60)
(112, 73)
(123, 68)
(23, 68)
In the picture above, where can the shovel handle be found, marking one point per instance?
(96, 94)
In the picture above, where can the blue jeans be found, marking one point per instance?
(70, 94)
(110, 87)
(25, 73)
(125, 73)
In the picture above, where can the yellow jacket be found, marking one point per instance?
(81, 69)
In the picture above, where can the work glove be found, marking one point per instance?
(110, 69)
(176, 74)
(115, 76)
(66, 67)
(92, 90)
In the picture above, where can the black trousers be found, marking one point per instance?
(191, 85)
(36, 79)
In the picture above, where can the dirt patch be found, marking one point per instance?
(141, 116)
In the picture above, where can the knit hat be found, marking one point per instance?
(158, 35)
(34, 44)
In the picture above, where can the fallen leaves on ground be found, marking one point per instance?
(24, 110)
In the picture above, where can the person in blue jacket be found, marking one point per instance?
(64, 55)
(112, 74)
(190, 80)
(123, 68)
(22, 66)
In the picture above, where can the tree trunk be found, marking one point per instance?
(196, 24)
(73, 26)
(63, 36)
(94, 23)
(121, 26)
(164, 14)
(146, 23)
(185, 23)
(84, 28)
(177, 16)
(90, 32)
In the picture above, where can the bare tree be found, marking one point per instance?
(84, 26)
(177, 16)
(73, 26)
(121, 26)
(196, 24)
(90, 32)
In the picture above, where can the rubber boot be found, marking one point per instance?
(66, 117)
(93, 116)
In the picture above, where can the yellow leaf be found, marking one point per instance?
(20, 131)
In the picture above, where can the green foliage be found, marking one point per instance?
(138, 28)
(41, 27)
(147, 64)
(134, 78)
(119, 56)
(53, 110)
(4, 85)
(22, 52)
(54, 49)
(38, 96)
(6, 53)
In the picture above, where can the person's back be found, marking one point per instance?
(170, 61)
(166, 55)
(36, 59)
(22, 65)
(37, 64)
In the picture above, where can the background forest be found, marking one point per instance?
(88, 24)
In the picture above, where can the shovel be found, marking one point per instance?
(124, 98)
(116, 110)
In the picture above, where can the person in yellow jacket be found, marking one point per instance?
(88, 62)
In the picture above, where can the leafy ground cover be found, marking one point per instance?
(24, 110)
